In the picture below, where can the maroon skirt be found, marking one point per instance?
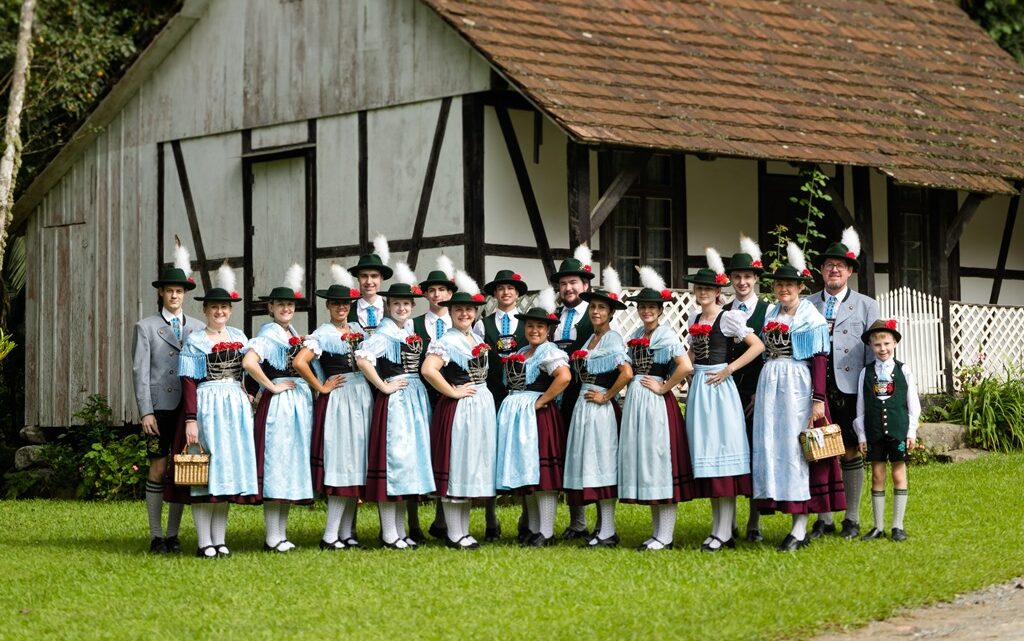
(259, 433)
(441, 442)
(827, 495)
(590, 495)
(316, 454)
(684, 487)
(551, 449)
(377, 456)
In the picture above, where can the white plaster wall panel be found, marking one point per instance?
(721, 202)
(337, 180)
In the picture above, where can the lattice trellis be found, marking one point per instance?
(919, 319)
(991, 334)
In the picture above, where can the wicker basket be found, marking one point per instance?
(191, 469)
(822, 442)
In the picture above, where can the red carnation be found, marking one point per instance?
(298, 294)
(851, 255)
(352, 337)
(613, 296)
(771, 326)
(890, 324)
(413, 340)
(294, 340)
(587, 268)
(191, 280)
(639, 342)
(479, 298)
(757, 263)
(700, 330)
(579, 354)
(353, 292)
(515, 358)
(783, 328)
(666, 294)
(235, 295)
(516, 277)
(806, 272)
(480, 349)
(552, 316)
(416, 290)
(721, 279)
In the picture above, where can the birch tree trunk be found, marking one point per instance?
(11, 160)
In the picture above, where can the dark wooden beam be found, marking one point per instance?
(864, 224)
(396, 245)
(212, 264)
(620, 185)
(190, 211)
(473, 218)
(364, 190)
(578, 174)
(279, 152)
(992, 273)
(524, 251)
(515, 154)
(964, 216)
(506, 98)
(1004, 248)
(160, 208)
(428, 181)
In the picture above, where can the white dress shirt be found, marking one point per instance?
(361, 307)
(913, 402)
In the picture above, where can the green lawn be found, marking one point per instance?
(78, 571)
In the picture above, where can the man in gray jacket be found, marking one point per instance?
(848, 314)
(157, 342)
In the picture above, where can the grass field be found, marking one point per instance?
(79, 571)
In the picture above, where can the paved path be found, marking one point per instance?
(993, 613)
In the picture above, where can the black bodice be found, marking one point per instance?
(778, 345)
(333, 364)
(713, 348)
(515, 374)
(288, 371)
(410, 362)
(477, 373)
(224, 365)
(643, 362)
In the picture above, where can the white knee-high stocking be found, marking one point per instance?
(453, 519)
(726, 512)
(282, 525)
(270, 524)
(547, 503)
(607, 507)
(219, 524)
(666, 523)
(533, 512)
(400, 510)
(335, 509)
(348, 517)
(201, 516)
(799, 530)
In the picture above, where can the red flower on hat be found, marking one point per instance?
(806, 272)
(587, 268)
(553, 316)
(514, 358)
(516, 277)
(479, 298)
(700, 330)
(235, 295)
(298, 294)
(191, 280)
(851, 255)
(890, 324)
(721, 279)
(353, 292)
(294, 340)
(415, 289)
(481, 348)
(757, 263)
(579, 354)
(613, 296)
(666, 294)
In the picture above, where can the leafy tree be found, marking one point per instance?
(1003, 20)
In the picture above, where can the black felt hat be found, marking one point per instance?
(339, 293)
(438, 277)
(402, 290)
(220, 295)
(175, 276)
(464, 298)
(506, 277)
(284, 293)
(601, 294)
(882, 326)
(740, 262)
(371, 262)
(648, 295)
(539, 314)
(706, 277)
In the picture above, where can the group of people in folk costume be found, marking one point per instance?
(378, 405)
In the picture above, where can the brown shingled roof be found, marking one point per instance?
(911, 87)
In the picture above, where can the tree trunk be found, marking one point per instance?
(11, 160)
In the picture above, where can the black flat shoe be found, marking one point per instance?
(754, 536)
(201, 552)
(735, 533)
(873, 534)
(275, 548)
(597, 542)
(570, 534)
(492, 534)
(820, 529)
(352, 542)
(643, 547)
(411, 542)
(437, 531)
(172, 544)
(898, 535)
(851, 529)
(223, 552)
(730, 545)
(792, 544)
(416, 535)
(457, 545)
(157, 545)
(523, 532)
(538, 540)
(394, 545)
(331, 546)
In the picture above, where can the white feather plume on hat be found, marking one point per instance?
(465, 283)
(341, 276)
(294, 278)
(404, 274)
(796, 258)
(583, 254)
(651, 279)
(546, 300)
(445, 264)
(381, 248)
(226, 277)
(749, 246)
(852, 241)
(182, 259)
(610, 281)
(714, 260)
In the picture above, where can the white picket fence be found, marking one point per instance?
(919, 320)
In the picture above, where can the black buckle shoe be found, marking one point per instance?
(851, 529)
(223, 552)
(201, 552)
(792, 544)
(352, 542)
(332, 546)
(436, 531)
(597, 542)
(416, 535)
(706, 547)
(873, 534)
(538, 540)
(276, 549)
(172, 544)
(754, 536)
(898, 535)
(644, 547)
(492, 534)
(571, 533)
(457, 545)
(820, 529)
(157, 545)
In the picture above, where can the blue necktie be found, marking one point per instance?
(568, 325)
(506, 325)
(371, 316)
(830, 308)
(176, 328)
(743, 307)
(439, 328)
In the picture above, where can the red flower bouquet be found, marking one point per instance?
(773, 327)
(352, 337)
(221, 347)
(700, 330)
(481, 348)
(639, 342)
(414, 340)
(514, 358)
(579, 354)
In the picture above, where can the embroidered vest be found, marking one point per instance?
(713, 348)
(889, 417)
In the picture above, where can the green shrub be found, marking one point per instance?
(991, 407)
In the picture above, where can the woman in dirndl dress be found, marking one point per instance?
(654, 457)
(592, 447)
(530, 448)
(398, 467)
(341, 413)
(790, 396)
(218, 416)
(284, 415)
(463, 431)
(715, 423)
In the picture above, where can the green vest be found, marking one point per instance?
(491, 336)
(746, 378)
(890, 417)
(584, 330)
